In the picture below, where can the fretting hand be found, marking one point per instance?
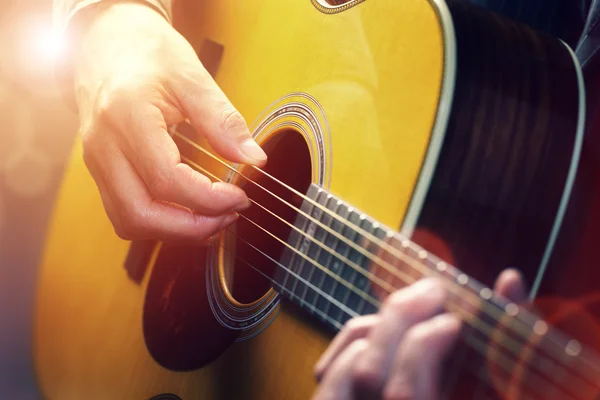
(134, 76)
(397, 353)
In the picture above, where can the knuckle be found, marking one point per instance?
(132, 221)
(116, 99)
(420, 336)
(107, 105)
(231, 122)
(352, 324)
(357, 326)
(401, 302)
(121, 229)
(160, 183)
(88, 133)
(91, 146)
(435, 289)
(218, 189)
(122, 232)
(367, 375)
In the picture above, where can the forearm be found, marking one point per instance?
(71, 18)
(66, 10)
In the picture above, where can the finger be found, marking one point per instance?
(338, 382)
(415, 372)
(510, 284)
(136, 215)
(356, 328)
(149, 147)
(399, 312)
(211, 113)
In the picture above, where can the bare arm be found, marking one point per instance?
(65, 10)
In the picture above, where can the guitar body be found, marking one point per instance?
(455, 127)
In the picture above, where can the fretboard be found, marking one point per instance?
(324, 272)
(335, 270)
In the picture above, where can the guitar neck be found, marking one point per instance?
(340, 263)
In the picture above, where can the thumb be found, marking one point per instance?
(211, 113)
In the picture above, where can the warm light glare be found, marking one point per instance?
(47, 43)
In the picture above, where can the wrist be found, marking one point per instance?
(85, 27)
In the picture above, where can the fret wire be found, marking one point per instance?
(506, 365)
(361, 302)
(292, 262)
(366, 296)
(303, 269)
(308, 284)
(481, 346)
(353, 272)
(302, 264)
(553, 335)
(331, 256)
(320, 236)
(510, 326)
(320, 274)
(466, 315)
(461, 311)
(335, 323)
(511, 345)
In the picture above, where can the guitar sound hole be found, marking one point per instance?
(335, 2)
(250, 255)
(180, 330)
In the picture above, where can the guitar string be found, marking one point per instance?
(358, 229)
(332, 300)
(548, 335)
(511, 342)
(481, 325)
(477, 345)
(466, 316)
(468, 339)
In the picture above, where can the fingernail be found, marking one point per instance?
(252, 150)
(243, 206)
(230, 219)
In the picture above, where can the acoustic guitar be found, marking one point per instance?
(406, 139)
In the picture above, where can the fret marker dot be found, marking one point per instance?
(486, 293)
(573, 348)
(405, 244)
(462, 279)
(422, 254)
(511, 309)
(441, 266)
(540, 327)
